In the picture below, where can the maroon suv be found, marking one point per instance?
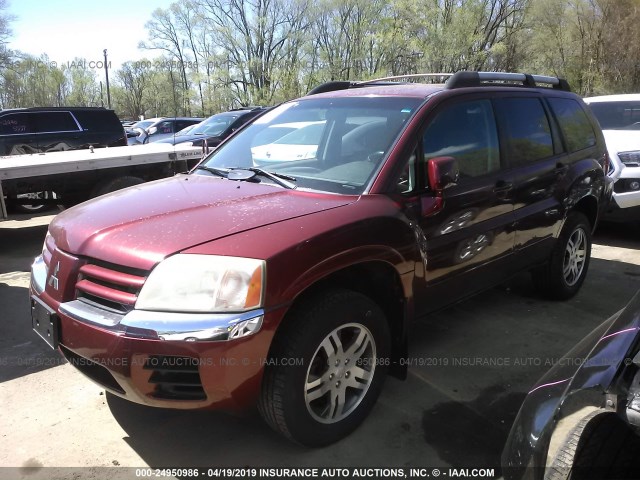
(286, 269)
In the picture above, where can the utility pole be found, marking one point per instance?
(106, 74)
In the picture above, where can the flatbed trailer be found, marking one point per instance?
(77, 175)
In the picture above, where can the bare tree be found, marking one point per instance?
(254, 35)
(134, 78)
(164, 35)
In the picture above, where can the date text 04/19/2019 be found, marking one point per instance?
(366, 472)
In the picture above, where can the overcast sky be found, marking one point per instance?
(82, 28)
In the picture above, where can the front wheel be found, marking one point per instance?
(563, 275)
(326, 368)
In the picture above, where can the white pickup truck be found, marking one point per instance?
(619, 118)
(77, 175)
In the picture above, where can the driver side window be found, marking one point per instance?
(467, 132)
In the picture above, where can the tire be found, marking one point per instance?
(601, 446)
(35, 207)
(114, 184)
(564, 273)
(310, 415)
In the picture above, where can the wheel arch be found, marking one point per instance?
(382, 284)
(588, 206)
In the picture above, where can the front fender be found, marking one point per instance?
(578, 383)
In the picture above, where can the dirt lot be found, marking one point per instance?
(472, 365)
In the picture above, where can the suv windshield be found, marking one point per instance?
(617, 115)
(214, 125)
(326, 144)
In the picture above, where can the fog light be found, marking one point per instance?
(634, 185)
(248, 327)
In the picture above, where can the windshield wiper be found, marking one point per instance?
(280, 178)
(216, 171)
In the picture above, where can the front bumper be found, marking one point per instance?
(625, 203)
(162, 359)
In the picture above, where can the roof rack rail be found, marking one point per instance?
(331, 86)
(345, 84)
(460, 79)
(409, 75)
(475, 79)
(249, 107)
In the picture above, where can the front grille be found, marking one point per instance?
(630, 159)
(93, 370)
(47, 251)
(109, 286)
(175, 378)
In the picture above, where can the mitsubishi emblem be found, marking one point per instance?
(53, 279)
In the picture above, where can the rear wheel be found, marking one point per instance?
(326, 368)
(34, 207)
(563, 275)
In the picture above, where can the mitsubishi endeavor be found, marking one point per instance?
(293, 286)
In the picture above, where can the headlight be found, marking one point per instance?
(204, 283)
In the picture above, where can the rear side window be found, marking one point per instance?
(45, 122)
(15, 124)
(180, 124)
(165, 127)
(527, 133)
(574, 123)
(98, 120)
(467, 132)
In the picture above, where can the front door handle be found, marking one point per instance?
(561, 168)
(502, 186)
(502, 189)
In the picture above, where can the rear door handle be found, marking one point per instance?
(502, 187)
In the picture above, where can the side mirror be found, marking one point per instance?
(443, 172)
(152, 130)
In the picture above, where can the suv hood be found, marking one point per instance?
(622, 140)
(141, 225)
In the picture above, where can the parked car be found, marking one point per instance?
(161, 129)
(619, 117)
(185, 131)
(300, 144)
(139, 128)
(582, 419)
(294, 287)
(37, 130)
(216, 128)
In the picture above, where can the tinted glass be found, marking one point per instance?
(164, 127)
(574, 123)
(46, 122)
(343, 150)
(617, 115)
(98, 120)
(214, 125)
(527, 132)
(180, 124)
(467, 132)
(15, 124)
